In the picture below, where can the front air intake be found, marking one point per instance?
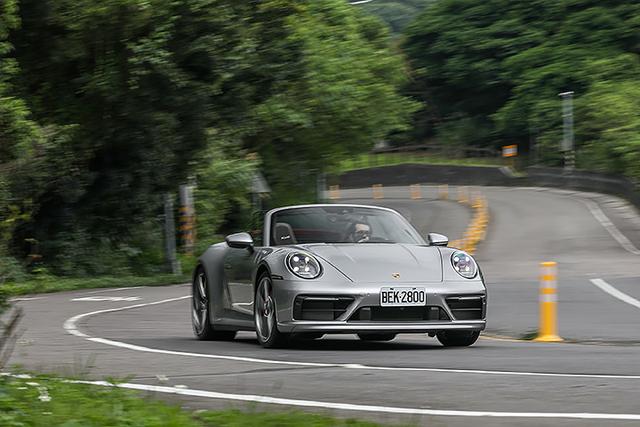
(310, 307)
(469, 307)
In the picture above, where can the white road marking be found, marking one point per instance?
(185, 391)
(179, 390)
(616, 293)
(105, 298)
(70, 325)
(610, 227)
(99, 291)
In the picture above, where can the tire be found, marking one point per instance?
(264, 316)
(376, 336)
(457, 338)
(200, 315)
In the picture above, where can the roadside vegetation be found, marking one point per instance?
(45, 401)
(105, 108)
(39, 284)
(489, 73)
(397, 13)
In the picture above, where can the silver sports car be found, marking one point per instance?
(327, 269)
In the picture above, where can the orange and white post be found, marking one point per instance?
(378, 192)
(443, 191)
(416, 191)
(548, 302)
(334, 192)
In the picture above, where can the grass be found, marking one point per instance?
(366, 161)
(42, 401)
(47, 283)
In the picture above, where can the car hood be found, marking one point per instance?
(382, 262)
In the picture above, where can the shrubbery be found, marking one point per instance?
(108, 106)
(500, 65)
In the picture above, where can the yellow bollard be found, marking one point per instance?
(378, 192)
(416, 191)
(334, 192)
(443, 191)
(548, 302)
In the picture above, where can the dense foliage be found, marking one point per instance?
(397, 13)
(491, 72)
(107, 106)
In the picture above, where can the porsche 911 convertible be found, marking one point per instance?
(337, 268)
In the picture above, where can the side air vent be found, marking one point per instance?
(309, 307)
(469, 307)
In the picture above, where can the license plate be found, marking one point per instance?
(400, 297)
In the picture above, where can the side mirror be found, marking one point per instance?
(239, 241)
(436, 239)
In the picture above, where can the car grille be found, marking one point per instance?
(468, 307)
(398, 314)
(310, 307)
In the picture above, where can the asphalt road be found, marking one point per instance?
(411, 379)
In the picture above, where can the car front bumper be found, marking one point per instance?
(367, 296)
(334, 327)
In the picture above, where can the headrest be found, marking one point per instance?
(284, 234)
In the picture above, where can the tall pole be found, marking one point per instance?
(567, 131)
(170, 235)
(187, 218)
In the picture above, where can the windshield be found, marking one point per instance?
(340, 224)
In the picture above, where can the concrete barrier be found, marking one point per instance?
(584, 181)
(411, 174)
(408, 174)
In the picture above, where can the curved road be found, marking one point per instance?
(145, 332)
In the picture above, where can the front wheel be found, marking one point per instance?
(457, 338)
(264, 314)
(200, 318)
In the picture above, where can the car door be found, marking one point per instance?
(239, 265)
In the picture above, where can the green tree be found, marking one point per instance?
(342, 98)
(498, 66)
(17, 136)
(133, 97)
(396, 13)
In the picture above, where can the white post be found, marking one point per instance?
(567, 131)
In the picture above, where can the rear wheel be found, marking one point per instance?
(264, 313)
(376, 337)
(458, 338)
(200, 318)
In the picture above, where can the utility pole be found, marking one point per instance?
(567, 131)
(170, 235)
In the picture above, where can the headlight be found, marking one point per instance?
(303, 265)
(464, 264)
